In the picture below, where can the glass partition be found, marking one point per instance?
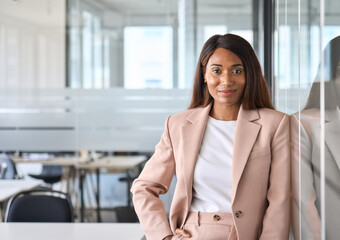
(307, 48)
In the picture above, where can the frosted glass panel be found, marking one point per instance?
(70, 120)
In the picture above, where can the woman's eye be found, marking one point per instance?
(237, 71)
(216, 71)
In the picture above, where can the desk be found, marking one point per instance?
(68, 164)
(63, 161)
(9, 188)
(71, 231)
(114, 164)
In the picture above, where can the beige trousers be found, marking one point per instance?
(209, 226)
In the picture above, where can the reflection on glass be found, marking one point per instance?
(306, 217)
(297, 86)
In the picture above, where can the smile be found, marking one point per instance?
(227, 92)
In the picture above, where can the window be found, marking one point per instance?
(148, 57)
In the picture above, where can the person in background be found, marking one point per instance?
(230, 152)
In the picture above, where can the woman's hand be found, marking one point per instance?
(181, 232)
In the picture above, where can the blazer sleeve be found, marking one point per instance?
(154, 180)
(276, 222)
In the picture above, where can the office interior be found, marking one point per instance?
(90, 79)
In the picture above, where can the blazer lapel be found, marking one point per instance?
(192, 136)
(245, 136)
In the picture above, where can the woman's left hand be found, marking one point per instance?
(182, 232)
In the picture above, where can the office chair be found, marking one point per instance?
(40, 206)
(50, 174)
(127, 213)
(7, 167)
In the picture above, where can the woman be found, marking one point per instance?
(230, 152)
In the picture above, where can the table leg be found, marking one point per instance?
(128, 182)
(98, 195)
(81, 183)
(2, 217)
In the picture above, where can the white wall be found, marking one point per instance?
(32, 44)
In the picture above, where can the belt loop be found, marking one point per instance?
(198, 218)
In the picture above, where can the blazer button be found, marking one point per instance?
(217, 218)
(239, 214)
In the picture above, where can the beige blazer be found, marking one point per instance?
(260, 174)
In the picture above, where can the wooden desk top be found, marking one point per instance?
(110, 163)
(117, 163)
(63, 161)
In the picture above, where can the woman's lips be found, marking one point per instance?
(227, 92)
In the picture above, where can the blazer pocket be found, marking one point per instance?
(259, 152)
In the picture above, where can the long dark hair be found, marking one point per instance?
(256, 93)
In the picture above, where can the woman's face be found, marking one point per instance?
(225, 77)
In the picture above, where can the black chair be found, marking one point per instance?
(7, 167)
(40, 206)
(127, 213)
(50, 174)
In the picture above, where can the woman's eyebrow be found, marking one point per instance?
(218, 65)
(237, 65)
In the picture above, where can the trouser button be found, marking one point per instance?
(239, 214)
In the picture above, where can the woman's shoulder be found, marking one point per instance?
(271, 111)
(272, 114)
(189, 114)
(272, 120)
(180, 116)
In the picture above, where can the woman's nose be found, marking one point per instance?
(226, 79)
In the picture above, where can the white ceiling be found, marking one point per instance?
(52, 12)
(226, 7)
(166, 6)
(38, 12)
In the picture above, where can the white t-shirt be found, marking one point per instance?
(212, 180)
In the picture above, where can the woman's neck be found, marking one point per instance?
(225, 113)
